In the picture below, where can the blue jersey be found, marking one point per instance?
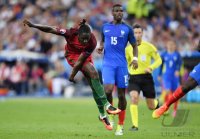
(171, 62)
(115, 38)
(195, 73)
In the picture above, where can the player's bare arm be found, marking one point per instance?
(44, 28)
(77, 66)
(134, 63)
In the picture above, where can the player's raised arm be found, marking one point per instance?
(44, 28)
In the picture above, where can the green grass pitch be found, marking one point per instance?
(46, 118)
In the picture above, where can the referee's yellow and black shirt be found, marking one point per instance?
(146, 53)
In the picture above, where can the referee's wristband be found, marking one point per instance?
(135, 58)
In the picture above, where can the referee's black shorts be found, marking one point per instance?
(144, 83)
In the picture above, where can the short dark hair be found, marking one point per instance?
(116, 5)
(83, 28)
(137, 26)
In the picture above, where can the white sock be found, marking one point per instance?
(108, 105)
(102, 116)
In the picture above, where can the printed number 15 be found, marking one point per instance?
(114, 40)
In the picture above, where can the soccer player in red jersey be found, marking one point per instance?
(80, 44)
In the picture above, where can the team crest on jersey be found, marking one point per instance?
(107, 31)
(175, 58)
(62, 31)
(122, 32)
(194, 71)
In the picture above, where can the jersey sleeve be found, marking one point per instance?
(156, 56)
(92, 45)
(131, 37)
(63, 32)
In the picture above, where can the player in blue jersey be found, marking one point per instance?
(115, 36)
(192, 81)
(171, 65)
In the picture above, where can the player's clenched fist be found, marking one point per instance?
(28, 23)
(100, 49)
(134, 64)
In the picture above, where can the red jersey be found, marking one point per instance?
(73, 45)
(74, 48)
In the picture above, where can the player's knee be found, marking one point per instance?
(185, 88)
(94, 74)
(151, 107)
(108, 90)
(189, 85)
(134, 98)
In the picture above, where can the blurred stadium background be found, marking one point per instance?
(33, 64)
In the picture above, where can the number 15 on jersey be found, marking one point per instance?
(114, 40)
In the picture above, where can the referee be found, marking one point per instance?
(141, 78)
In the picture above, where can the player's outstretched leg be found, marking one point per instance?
(190, 84)
(192, 81)
(173, 98)
(179, 93)
(100, 98)
(100, 94)
(160, 111)
(97, 89)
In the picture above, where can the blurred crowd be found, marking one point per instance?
(163, 20)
